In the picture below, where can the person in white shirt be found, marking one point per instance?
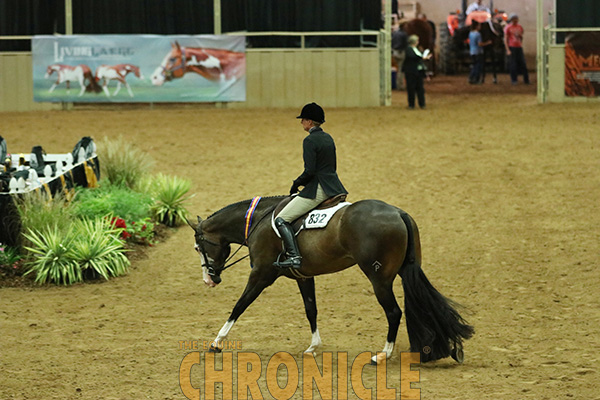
(477, 6)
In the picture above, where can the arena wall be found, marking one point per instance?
(275, 78)
(16, 84)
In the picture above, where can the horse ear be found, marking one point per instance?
(177, 46)
(190, 224)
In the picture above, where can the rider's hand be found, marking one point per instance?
(293, 189)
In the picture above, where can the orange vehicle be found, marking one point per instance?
(454, 34)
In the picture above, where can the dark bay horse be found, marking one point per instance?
(423, 30)
(382, 239)
(213, 64)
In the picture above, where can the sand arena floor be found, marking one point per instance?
(505, 192)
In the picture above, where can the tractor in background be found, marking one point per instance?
(453, 39)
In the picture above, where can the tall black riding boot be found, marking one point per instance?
(293, 260)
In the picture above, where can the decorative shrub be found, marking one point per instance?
(38, 211)
(88, 249)
(113, 200)
(169, 199)
(53, 257)
(121, 163)
(98, 250)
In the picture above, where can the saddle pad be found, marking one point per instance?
(314, 219)
(320, 218)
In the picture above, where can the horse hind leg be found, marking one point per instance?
(307, 289)
(82, 88)
(387, 300)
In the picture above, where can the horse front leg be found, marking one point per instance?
(257, 282)
(128, 89)
(118, 87)
(53, 87)
(307, 289)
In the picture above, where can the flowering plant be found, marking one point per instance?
(141, 232)
(10, 260)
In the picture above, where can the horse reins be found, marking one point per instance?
(211, 269)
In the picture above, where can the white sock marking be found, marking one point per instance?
(315, 342)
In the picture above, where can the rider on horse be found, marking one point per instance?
(319, 179)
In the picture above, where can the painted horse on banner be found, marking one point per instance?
(67, 73)
(216, 65)
(119, 72)
(382, 239)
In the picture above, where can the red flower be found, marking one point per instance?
(125, 235)
(118, 223)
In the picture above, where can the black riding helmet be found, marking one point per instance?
(314, 112)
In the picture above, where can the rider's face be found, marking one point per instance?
(306, 124)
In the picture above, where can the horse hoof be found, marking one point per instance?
(458, 354)
(378, 359)
(213, 349)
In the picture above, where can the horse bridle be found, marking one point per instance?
(211, 269)
(214, 270)
(168, 73)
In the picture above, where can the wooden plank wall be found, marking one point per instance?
(16, 84)
(274, 78)
(331, 77)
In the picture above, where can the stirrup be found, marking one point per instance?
(291, 262)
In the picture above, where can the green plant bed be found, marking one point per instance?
(89, 235)
(112, 200)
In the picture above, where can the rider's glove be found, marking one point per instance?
(294, 189)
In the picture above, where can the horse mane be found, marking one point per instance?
(242, 202)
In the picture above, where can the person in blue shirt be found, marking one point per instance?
(476, 52)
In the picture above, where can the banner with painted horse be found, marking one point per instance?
(151, 68)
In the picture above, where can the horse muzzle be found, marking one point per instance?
(210, 277)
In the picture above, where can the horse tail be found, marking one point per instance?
(92, 85)
(432, 321)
